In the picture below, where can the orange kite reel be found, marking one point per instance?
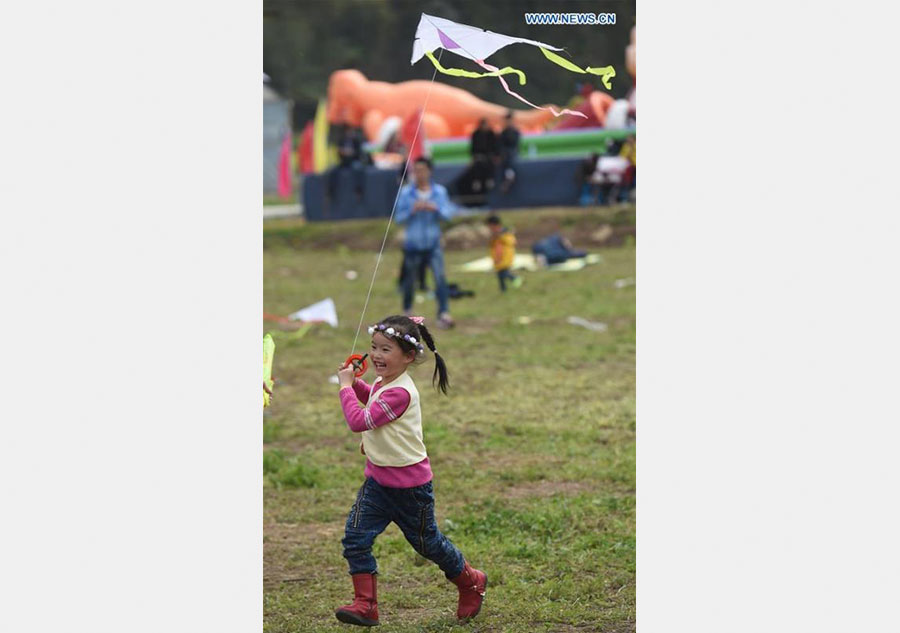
(359, 362)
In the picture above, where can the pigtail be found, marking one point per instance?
(440, 367)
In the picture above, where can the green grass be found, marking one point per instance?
(533, 451)
(341, 237)
(275, 199)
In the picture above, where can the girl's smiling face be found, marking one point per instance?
(388, 359)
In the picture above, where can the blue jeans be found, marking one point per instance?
(504, 276)
(412, 509)
(434, 258)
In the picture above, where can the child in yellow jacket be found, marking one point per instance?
(503, 252)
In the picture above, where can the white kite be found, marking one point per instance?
(478, 44)
(320, 312)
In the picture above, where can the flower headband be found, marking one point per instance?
(385, 329)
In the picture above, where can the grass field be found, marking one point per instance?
(533, 451)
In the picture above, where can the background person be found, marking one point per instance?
(484, 152)
(351, 158)
(421, 207)
(509, 151)
(503, 252)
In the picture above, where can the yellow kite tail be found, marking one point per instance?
(268, 357)
(459, 72)
(606, 73)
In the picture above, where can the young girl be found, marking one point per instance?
(398, 476)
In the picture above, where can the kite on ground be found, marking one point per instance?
(477, 45)
(322, 311)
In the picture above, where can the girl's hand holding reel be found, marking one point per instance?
(353, 367)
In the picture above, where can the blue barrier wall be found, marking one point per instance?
(538, 183)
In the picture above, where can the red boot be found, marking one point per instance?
(471, 584)
(364, 610)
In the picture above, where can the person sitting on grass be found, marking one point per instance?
(398, 485)
(503, 252)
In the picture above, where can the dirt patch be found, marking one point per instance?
(296, 446)
(580, 235)
(281, 540)
(586, 627)
(476, 325)
(409, 614)
(299, 533)
(603, 234)
(466, 236)
(546, 489)
(503, 461)
(584, 232)
(574, 628)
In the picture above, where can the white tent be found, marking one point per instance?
(276, 123)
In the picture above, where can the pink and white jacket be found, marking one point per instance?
(389, 418)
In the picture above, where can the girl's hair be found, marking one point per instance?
(405, 325)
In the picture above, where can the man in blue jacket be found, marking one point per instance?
(422, 206)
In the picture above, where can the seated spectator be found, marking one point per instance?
(509, 151)
(613, 146)
(351, 157)
(608, 177)
(608, 180)
(584, 176)
(484, 153)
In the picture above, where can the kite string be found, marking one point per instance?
(394, 207)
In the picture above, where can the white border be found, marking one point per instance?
(767, 430)
(130, 463)
(767, 318)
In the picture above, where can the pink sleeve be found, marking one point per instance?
(391, 404)
(362, 390)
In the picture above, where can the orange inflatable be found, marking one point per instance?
(451, 111)
(594, 108)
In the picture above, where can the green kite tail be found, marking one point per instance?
(606, 73)
(459, 72)
(301, 332)
(268, 357)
